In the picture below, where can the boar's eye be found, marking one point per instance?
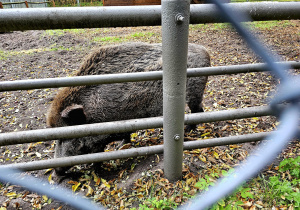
(74, 115)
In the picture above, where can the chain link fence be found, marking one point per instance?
(289, 118)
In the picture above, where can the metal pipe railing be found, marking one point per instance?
(257, 11)
(175, 32)
(98, 17)
(135, 152)
(131, 77)
(77, 131)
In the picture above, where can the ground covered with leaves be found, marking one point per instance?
(140, 182)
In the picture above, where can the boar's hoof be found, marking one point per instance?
(61, 171)
(190, 128)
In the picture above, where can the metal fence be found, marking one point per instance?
(175, 17)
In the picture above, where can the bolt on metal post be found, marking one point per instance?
(175, 25)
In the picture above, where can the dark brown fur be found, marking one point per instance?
(121, 101)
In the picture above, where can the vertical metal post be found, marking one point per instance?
(175, 26)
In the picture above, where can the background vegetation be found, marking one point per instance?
(69, 3)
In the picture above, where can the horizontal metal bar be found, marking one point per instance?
(237, 69)
(98, 17)
(135, 152)
(125, 126)
(79, 81)
(257, 11)
(78, 17)
(130, 77)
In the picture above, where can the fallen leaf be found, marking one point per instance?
(75, 185)
(50, 179)
(97, 180)
(90, 190)
(105, 183)
(11, 194)
(45, 198)
(48, 170)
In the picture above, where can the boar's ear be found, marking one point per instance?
(74, 115)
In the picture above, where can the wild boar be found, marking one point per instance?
(122, 101)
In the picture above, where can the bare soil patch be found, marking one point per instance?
(47, 54)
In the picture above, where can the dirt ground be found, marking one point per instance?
(59, 53)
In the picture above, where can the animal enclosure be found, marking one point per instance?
(159, 122)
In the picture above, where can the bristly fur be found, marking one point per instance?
(121, 101)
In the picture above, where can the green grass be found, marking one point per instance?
(252, 25)
(76, 31)
(264, 192)
(280, 190)
(57, 48)
(142, 35)
(117, 39)
(206, 27)
(61, 32)
(157, 204)
(108, 39)
(3, 55)
(54, 33)
(105, 40)
(269, 24)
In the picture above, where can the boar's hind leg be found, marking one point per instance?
(195, 109)
(194, 101)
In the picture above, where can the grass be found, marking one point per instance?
(269, 24)
(117, 39)
(205, 27)
(76, 30)
(61, 32)
(142, 35)
(54, 33)
(252, 25)
(282, 189)
(264, 192)
(3, 55)
(57, 48)
(108, 39)
(157, 204)
(148, 35)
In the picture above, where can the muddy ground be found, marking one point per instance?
(59, 53)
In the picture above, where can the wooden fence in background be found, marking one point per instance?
(6, 4)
